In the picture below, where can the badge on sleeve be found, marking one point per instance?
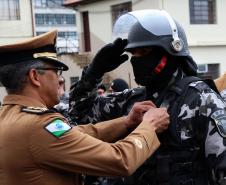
(57, 127)
(219, 118)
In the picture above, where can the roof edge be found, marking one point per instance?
(72, 3)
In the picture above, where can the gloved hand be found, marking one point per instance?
(108, 58)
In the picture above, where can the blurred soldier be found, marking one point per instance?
(101, 90)
(118, 85)
(194, 146)
(38, 145)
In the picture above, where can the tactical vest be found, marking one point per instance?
(176, 162)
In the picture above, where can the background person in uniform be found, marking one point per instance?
(118, 85)
(193, 149)
(38, 146)
(101, 90)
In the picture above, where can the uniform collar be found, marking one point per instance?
(14, 99)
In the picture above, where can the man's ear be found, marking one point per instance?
(34, 77)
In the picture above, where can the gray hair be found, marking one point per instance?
(14, 76)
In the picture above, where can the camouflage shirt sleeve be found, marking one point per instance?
(85, 106)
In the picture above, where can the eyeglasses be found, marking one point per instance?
(58, 70)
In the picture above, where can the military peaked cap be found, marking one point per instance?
(41, 47)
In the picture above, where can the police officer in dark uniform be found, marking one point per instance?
(193, 150)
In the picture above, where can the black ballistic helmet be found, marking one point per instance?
(146, 28)
(151, 27)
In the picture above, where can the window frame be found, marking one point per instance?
(10, 10)
(202, 11)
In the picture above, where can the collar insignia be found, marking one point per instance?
(35, 110)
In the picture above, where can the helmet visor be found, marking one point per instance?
(148, 19)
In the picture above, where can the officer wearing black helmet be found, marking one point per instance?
(193, 150)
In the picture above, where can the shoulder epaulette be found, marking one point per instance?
(36, 110)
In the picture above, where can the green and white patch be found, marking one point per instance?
(57, 127)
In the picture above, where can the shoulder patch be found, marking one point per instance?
(36, 110)
(57, 127)
(219, 118)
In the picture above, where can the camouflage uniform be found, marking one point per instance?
(196, 136)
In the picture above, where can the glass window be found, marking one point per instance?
(202, 11)
(70, 34)
(118, 10)
(211, 71)
(54, 3)
(70, 19)
(9, 10)
(39, 33)
(59, 19)
(50, 19)
(39, 19)
(40, 3)
(61, 34)
(48, 3)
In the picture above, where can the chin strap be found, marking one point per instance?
(161, 65)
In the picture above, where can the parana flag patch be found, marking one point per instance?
(57, 127)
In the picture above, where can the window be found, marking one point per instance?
(70, 19)
(59, 19)
(50, 19)
(9, 10)
(118, 10)
(39, 18)
(208, 71)
(40, 32)
(72, 35)
(202, 11)
(48, 3)
(40, 3)
(55, 19)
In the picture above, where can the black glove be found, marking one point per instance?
(107, 59)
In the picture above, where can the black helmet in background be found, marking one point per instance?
(151, 27)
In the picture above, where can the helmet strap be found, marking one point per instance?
(161, 65)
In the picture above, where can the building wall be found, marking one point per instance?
(15, 30)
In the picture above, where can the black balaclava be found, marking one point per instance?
(154, 70)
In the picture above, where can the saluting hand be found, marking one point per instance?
(108, 58)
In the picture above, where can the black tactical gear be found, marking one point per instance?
(188, 146)
(193, 148)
